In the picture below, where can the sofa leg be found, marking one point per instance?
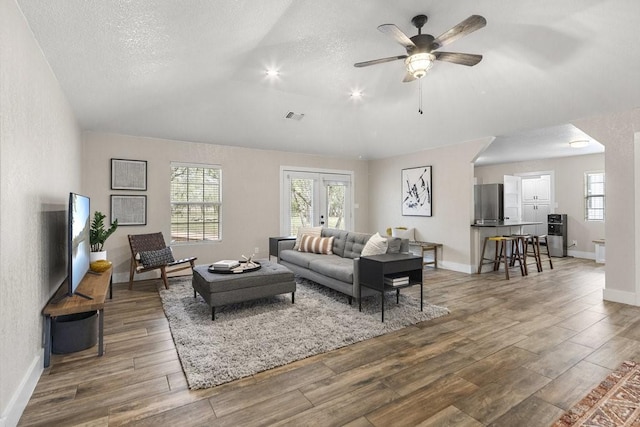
(213, 314)
(293, 297)
(350, 300)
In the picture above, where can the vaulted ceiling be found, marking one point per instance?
(196, 70)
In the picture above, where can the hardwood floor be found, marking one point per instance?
(516, 352)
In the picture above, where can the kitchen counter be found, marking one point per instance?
(480, 231)
(504, 224)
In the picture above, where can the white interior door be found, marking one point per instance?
(312, 199)
(512, 198)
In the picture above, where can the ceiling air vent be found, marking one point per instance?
(294, 116)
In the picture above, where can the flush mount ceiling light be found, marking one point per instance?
(271, 72)
(419, 63)
(581, 143)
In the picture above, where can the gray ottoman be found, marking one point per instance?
(221, 289)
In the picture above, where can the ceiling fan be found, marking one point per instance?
(422, 48)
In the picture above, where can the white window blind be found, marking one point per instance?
(594, 196)
(196, 202)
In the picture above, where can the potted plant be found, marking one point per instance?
(98, 234)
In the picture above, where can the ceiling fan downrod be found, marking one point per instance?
(418, 21)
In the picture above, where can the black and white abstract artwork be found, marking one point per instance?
(417, 191)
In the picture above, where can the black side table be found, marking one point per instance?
(273, 244)
(374, 269)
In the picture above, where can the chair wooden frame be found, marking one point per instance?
(153, 242)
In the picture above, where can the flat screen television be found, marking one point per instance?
(78, 245)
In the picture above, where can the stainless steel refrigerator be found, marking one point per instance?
(488, 203)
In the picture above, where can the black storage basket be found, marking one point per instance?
(74, 332)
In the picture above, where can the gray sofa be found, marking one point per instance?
(340, 270)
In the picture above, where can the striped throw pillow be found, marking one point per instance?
(316, 245)
(312, 231)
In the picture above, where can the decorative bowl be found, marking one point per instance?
(100, 265)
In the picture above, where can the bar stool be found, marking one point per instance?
(483, 260)
(502, 244)
(546, 245)
(534, 241)
(519, 248)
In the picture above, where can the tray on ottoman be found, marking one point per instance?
(222, 289)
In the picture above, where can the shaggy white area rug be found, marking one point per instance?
(258, 335)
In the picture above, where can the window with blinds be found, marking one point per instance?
(594, 196)
(196, 202)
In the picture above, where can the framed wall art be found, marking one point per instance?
(417, 191)
(129, 210)
(128, 174)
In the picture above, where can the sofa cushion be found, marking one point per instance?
(376, 245)
(333, 266)
(339, 239)
(298, 258)
(312, 231)
(316, 245)
(355, 243)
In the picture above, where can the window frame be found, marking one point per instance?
(589, 195)
(218, 204)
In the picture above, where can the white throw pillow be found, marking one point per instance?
(376, 245)
(311, 231)
(409, 233)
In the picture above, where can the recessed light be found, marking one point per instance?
(356, 94)
(579, 143)
(272, 72)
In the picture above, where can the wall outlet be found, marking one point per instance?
(574, 243)
(256, 250)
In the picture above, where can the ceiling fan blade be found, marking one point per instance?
(397, 35)
(468, 59)
(379, 61)
(468, 26)
(408, 78)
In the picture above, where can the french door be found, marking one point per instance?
(311, 199)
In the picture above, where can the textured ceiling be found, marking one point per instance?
(195, 70)
(538, 144)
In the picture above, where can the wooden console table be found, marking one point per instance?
(428, 246)
(94, 285)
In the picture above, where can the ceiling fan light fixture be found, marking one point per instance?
(419, 63)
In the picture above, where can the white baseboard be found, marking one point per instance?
(120, 277)
(124, 277)
(622, 297)
(580, 254)
(454, 266)
(20, 398)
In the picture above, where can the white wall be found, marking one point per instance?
(251, 192)
(617, 132)
(452, 183)
(569, 193)
(40, 155)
